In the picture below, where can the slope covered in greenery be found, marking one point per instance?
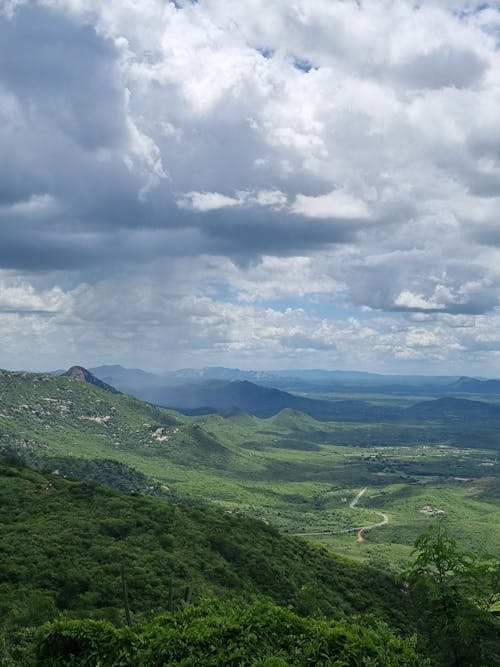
(63, 545)
(43, 415)
(73, 550)
(227, 635)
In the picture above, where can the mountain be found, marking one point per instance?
(127, 380)
(310, 376)
(220, 396)
(80, 373)
(301, 380)
(43, 416)
(224, 396)
(219, 373)
(450, 408)
(468, 385)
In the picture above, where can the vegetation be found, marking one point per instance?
(296, 473)
(64, 543)
(224, 634)
(454, 592)
(76, 550)
(99, 564)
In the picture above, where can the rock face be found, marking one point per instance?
(80, 373)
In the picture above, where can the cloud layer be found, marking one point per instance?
(301, 183)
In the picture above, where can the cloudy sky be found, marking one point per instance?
(262, 184)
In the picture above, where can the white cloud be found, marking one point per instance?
(35, 206)
(335, 204)
(278, 278)
(207, 201)
(322, 152)
(407, 299)
(22, 297)
(212, 201)
(273, 198)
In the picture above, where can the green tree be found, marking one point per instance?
(453, 591)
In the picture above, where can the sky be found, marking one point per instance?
(262, 184)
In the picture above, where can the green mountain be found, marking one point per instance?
(44, 416)
(63, 544)
(69, 549)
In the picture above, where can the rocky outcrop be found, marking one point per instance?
(80, 373)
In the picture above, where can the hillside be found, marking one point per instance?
(290, 470)
(63, 544)
(468, 385)
(220, 396)
(44, 416)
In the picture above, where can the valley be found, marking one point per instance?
(228, 525)
(288, 470)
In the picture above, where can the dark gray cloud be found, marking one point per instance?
(271, 232)
(63, 71)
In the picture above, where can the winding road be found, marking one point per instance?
(356, 498)
(360, 529)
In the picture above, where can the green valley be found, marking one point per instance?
(312, 515)
(288, 470)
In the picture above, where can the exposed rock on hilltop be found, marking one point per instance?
(80, 373)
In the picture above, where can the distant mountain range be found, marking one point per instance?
(299, 380)
(223, 397)
(278, 378)
(467, 385)
(311, 379)
(214, 390)
(451, 408)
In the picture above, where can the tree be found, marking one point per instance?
(453, 591)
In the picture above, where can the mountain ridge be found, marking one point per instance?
(81, 373)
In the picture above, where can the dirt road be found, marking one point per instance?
(356, 498)
(359, 529)
(385, 519)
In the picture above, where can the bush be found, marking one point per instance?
(84, 644)
(225, 634)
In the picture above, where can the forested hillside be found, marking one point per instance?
(69, 548)
(63, 545)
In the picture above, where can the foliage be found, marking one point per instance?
(225, 634)
(453, 592)
(84, 643)
(63, 544)
(17, 647)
